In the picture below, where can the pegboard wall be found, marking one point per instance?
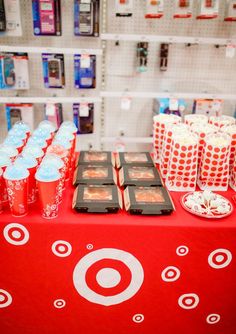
(191, 69)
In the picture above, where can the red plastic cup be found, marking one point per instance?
(4, 162)
(1, 182)
(17, 190)
(48, 192)
(63, 153)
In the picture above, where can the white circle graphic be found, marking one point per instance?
(217, 261)
(89, 246)
(213, 318)
(12, 235)
(79, 276)
(59, 303)
(108, 277)
(5, 298)
(138, 318)
(182, 250)
(170, 274)
(188, 301)
(61, 248)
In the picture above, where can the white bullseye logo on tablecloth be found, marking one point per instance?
(188, 301)
(16, 234)
(138, 318)
(61, 248)
(89, 246)
(170, 274)
(5, 298)
(59, 303)
(220, 258)
(213, 318)
(115, 274)
(182, 250)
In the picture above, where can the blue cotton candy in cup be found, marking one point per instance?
(63, 133)
(63, 142)
(35, 150)
(37, 140)
(16, 173)
(17, 132)
(69, 125)
(4, 159)
(22, 125)
(42, 133)
(53, 159)
(11, 151)
(47, 173)
(13, 141)
(27, 161)
(47, 125)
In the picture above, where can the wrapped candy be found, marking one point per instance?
(202, 130)
(221, 121)
(160, 123)
(231, 130)
(167, 145)
(214, 165)
(182, 169)
(195, 119)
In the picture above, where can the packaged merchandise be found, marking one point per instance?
(89, 174)
(19, 112)
(230, 14)
(148, 201)
(139, 176)
(97, 199)
(208, 9)
(86, 17)
(154, 9)
(54, 113)
(208, 107)
(183, 9)
(84, 117)
(164, 53)
(142, 56)
(14, 72)
(85, 71)
(47, 17)
(96, 158)
(10, 18)
(124, 8)
(142, 159)
(53, 70)
(169, 106)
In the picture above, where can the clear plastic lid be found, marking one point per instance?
(16, 173)
(47, 173)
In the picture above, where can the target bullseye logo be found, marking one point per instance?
(188, 301)
(170, 274)
(61, 248)
(220, 258)
(59, 303)
(138, 318)
(5, 298)
(182, 250)
(16, 234)
(108, 276)
(213, 318)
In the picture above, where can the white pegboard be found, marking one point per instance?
(199, 68)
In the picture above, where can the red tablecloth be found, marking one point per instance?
(174, 274)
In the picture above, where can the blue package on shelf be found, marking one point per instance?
(53, 70)
(83, 114)
(86, 18)
(85, 71)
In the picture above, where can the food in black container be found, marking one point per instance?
(134, 159)
(96, 158)
(139, 176)
(90, 174)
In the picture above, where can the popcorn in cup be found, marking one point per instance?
(223, 120)
(48, 179)
(195, 119)
(182, 169)
(231, 130)
(214, 166)
(17, 178)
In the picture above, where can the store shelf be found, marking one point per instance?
(128, 140)
(32, 49)
(72, 99)
(168, 39)
(152, 95)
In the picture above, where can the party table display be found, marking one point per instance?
(200, 151)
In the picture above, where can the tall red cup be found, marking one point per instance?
(48, 194)
(63, 153)
(17, 191)
(1, 182)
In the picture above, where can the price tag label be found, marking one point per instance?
(125, 103)
(84, 110)
(174, 104)
(230, 50)
(85, 61)
(50, 109)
